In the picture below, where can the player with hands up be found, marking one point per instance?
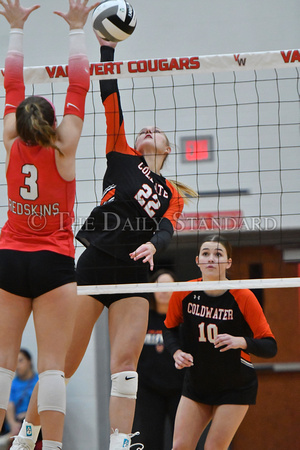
(37, 272)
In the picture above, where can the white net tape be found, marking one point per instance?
(278, 201)
(190, 286)
(169, 66)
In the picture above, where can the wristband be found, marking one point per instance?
(16, 40)
(77, 42)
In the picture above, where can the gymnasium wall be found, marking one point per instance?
(165, 28)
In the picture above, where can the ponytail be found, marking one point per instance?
(35, 122)
(185, 191)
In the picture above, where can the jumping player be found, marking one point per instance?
(160, 384)
(36, 244)
(220, 330)
(119, 248)
(134, 193)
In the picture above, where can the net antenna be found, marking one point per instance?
(234, 120)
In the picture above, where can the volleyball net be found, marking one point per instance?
(234, 124)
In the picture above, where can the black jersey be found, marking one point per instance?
(236, 312)
(135, 200)
(156, 367)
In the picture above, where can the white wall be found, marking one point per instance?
(171, 28)
(165, 28)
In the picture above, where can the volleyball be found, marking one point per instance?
(114, 20)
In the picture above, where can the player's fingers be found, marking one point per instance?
(94, 6)
(60, 14)
(33, 8)
(224, 349)
(3, 4)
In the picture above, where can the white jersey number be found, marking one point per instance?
(30, 192)
(148, 200)
(209, 334)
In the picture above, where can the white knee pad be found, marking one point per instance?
(6, 377)
(52, 391)
(124, 384)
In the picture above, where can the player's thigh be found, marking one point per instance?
(128, 319)
(225, 422)
(15, 311)
(191, 420)
(88, 312)
(54, 317)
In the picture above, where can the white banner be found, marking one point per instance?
(169, 66)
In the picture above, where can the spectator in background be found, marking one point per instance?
(21, 390)
(160, 382)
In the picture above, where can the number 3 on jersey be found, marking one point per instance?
(147, 199)
(30, 192)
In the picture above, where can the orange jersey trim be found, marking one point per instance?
(115, 131)
(108, 195)
(176, 205)
(174, 314)
(252, 312)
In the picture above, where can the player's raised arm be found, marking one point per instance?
(69, 131)
(16, 15)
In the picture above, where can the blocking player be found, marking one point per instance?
(36, 245)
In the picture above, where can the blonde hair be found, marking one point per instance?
(185, 191)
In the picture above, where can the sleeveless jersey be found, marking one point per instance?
(134, 199)
(40, 202)
(236, 312)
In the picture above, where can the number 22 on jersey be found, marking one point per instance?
(147, 199)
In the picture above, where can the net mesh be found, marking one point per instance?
(234, 124)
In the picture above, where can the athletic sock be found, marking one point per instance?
(29, 430)
(52, 445)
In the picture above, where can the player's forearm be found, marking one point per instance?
(13, 75)
(79, 75)
(162, 237)
(107, 87)
(171, 339)
(264, 348)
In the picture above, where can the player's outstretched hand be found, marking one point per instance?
(145, 251)
(15, 14)
(106, 43)
(78, 13)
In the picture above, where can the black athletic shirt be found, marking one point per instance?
(156, 367)
(236, 312)
(137, 205)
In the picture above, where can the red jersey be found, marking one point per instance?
(40, 202)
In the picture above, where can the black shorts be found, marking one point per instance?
(31, 274)
(245, 395)
(95, 267)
